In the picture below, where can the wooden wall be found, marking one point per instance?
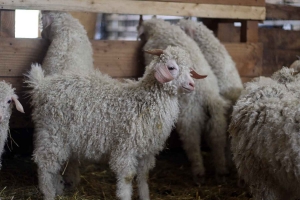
(122, 59)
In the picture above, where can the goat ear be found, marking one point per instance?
(162, 74)
(47, 20)
(195, 75)
(156, 52)
(140, 28)
(141, 20)
(18, 104)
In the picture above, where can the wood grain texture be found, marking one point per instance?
(279, 39)
(141, 7)
(275, 59)
(283, 12)
(227, 32)
(247, 56)
(221, 2)
(16, 55)
(116, 58)
(249, 31)
(7, 24)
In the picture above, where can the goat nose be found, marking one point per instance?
(192, 84)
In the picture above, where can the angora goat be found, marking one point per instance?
(202, 112)
(265, 136)
(86, 116)
(7, 99)
(217, 57)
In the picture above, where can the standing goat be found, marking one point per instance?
(217, 57)
(265, 135)
(202, 113)
(7, 99)
(87, 116)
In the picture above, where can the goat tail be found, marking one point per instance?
(35, 76)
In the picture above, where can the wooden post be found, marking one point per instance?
(249, 31)
(7, 24)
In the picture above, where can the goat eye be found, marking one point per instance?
(171, 68)
(9, 101)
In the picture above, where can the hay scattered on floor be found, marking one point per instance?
(170, 180)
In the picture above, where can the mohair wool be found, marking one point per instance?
(202, 112)
(90, 116)
(265, 136)
(70, 48)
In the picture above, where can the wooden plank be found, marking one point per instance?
(119, 58)
(228, 33)
(284, 12)
(249, 31)
(275, 38)
(141, 7)
(88, 20)
(16, 55)
(7, 24)
(247, 56)
(221, 2)
(116, 58)
(275, 59)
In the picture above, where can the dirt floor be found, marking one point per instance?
(169, 180)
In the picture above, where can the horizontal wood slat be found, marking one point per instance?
(275, 59)
(116, 58)
(247, 56)
(221, 2)
(141, 7)
(283, 12)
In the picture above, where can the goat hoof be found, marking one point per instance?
(199, 179)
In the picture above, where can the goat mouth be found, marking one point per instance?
(187, 89)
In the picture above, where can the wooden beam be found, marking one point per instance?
(7, 24)
(228, 33)
(18, 54)
(283, 12)
(116, 58)
(275, 59)
(141, 7)
(274, 38)
(249, 31)
(247, 57)
(221, 2)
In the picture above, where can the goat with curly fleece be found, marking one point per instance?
(265, 136)
(217, 57)
(88, 116)
(7, 99)
(202, 112)
(69, 47)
